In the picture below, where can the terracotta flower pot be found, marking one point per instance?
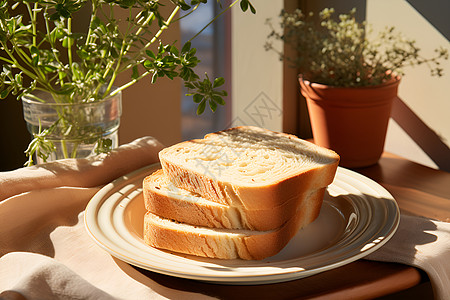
(351, 121)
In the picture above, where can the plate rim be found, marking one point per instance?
(296, 273)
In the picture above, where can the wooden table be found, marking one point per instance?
(418, 190)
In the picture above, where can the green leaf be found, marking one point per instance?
(83, 54)
(171, 74)
(3, 37)
(18, 79)
(49, 68)
(67, 42)
(59, 33)
(126, 3)
(5, 92)
(35, 61)
(213, 106)
(148, 64)
(244, 5)
(218, 100)
(174, 50)
(218, 82)
(34, 50)
(197, 98)
(114, 53)
(150, 54)
(186, 47)
(192, 51)
(95, 22)
(201, 107)
(252, 9)
(103, 146)
(182, 4)
(189, 85)
(135, 73)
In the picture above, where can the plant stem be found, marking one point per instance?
(6, 60)
(69, 45)
(75, 150)
(114, 75)
(184, 16)
(35, 23)
(32, 14)
(53, 47)
(33, 17)
(64, 148)
(93, 15)
(155, 37)
(123, 50)
(164, 27)
(214, 19)
(121, 88)
(17, 64)
(141, 26)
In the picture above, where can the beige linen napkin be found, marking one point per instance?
(45, 251)
(88, 172)
(422, 243)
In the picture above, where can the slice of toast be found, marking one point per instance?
(164, 199)
(249, 167)
(184, 238)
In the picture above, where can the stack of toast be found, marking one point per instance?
(238, 193)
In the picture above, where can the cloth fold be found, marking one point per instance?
(46, 253)
(86, 172)
(422, 243)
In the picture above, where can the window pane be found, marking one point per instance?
(210, 50)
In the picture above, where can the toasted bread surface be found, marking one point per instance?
(178, 237)
(249, 167)
(164, 199)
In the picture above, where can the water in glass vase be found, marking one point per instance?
(75, 129)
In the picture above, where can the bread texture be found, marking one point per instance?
(184, 238)
(249, 167)
(164, 199)
(238, 193)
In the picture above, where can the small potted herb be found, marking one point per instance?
(348, 77)
(66, 79)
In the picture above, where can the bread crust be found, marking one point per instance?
(185, 208)
(250, 197)
(205, 213)
(249, 245)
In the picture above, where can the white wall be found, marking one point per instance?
(420, 128)
(257, 75)
(427, 97)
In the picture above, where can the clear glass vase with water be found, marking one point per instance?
(73, 130)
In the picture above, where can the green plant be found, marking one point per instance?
(342, 52)
(41, 52)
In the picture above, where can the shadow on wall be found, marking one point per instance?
(434, 16)
(421, 134)
(418, 131)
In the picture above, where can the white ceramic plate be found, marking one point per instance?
(358, 216)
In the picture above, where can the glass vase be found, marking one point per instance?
(74, 129)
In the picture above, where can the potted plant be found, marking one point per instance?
(349, 78)
(66, 79)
